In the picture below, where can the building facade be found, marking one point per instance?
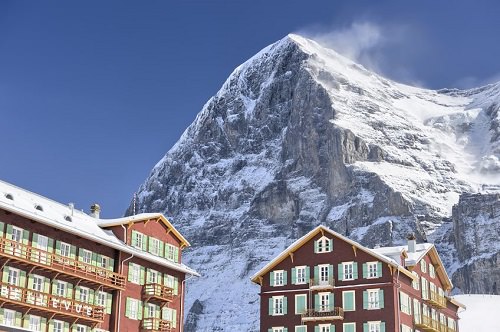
(325, 282)
(66, 271)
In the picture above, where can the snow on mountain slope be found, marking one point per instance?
(481, 314)
(299, 136)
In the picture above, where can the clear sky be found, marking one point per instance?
(94, 93)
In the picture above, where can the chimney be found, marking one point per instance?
(71, 208)
(95, 209)
(412, 243)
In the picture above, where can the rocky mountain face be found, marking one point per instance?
(300, 136)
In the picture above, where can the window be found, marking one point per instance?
(65, 249)
(278, 329)
(300, 275)
(300, 304)
(451, 323)
(423, 266)
(325, 328)
(415, 283)
(278, 278)
(374, 298)
(13, 277)
(432, 271)
(405, 328)
(9, 317)
(81, 328)
(16, 236)
(151, 310)
(348, 270)
(134, 273)
(322, 245)
(37, 283)
(101, 299)
(425, 289)
(405, 303)
(372, 270)
(58, 326)
(133, 309)
(34, 323)
(301, 328)
(324, 302)
(153, 277)
(417, 313)
(137, 240)
(154, 246)
(60, 288)
(86, 256)
(171, 252)
(373, 326)
(84, 294)
(349, 327)
(104, 263)
(348, 300)
(277, 305)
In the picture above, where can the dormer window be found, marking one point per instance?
(322, 245)
(68, 218)
(38, 207)
(9, 196)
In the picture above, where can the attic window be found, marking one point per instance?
(9, 196)
(68, 218)
(38, 207)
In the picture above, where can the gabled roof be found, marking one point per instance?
(104, 223)
(322, 229)
(46, 211)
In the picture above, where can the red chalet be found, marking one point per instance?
(65, 271)
(325, 282)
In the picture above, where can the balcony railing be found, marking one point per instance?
(157, 292)
(328, 314)
(426, 323)
(155, 325)
(46, 260)
(436, 300)
(49, 305)
(318, 284)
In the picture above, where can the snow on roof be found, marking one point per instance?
(68, 219)
(412, 257)
(297, 244)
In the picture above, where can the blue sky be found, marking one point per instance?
(94, 93)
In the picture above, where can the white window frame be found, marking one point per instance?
(406, 303)
(9, 317)
(373, 293)
(278, 329)
(86, 256)
(154, 277)
(423, 266)
(300, 328)
(324, 273)
(170, 252)
(324, 327)
(34, 323)
(134, 308)
(348, 324)
(101, 299)
(324, 297)
(154, 249)
(305, 302)
(300, 275)
(432, 271)
(81, 328)
(136, 273)
(278, 305)
(374, 326)
(151, 309)
(65, 249)
(58, 326)
(345, 267)
(84, 294)
(139, 241)
(323, 245)
(372, 270)
(279, 277)
(14, 276)
(61, 285)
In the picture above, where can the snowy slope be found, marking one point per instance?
(482, 313)
(300, 136)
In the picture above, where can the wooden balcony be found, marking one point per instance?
(322, 284)
(68, 268)
(428, 324)
(436, 300)
(329, 314)
(49, 306)
(155, 325)
(157, 293)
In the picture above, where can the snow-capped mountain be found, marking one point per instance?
(299, 136)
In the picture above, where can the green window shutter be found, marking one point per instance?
(271, 306)
(340, 271)
(294, 276)
(92, 295)
(1, 314)
(285, 305)
(69, 291)
(300, 305)
(18, 319)
(111, 264)
(80, 255)
(134, 238)
(54, 287)
(316, 274)
(22, 279)
(9, 232)
(332, 328)
(365, 299)
(1, 228)
(77, 293)
(176, 286)
(109, 302)
(143, 272)
(30, 282)
(174, 317)
(316, 302)
(176, 253)
(127, 307)
(139, 310)
(308, 274)
(365, 327)
(379, 269)
(26, 236)
(316, 328)
(130, 266)
(157, 311)
(26, 321)
(34, 240)
(50, 245)
(72, 251)
(271, 278)
(98, 260)
(46, 285)
(382, 326)
(145, 242)
(58, 247)
(285, 277)
(348, 301)
(330, 271)
(161, 250)
(355, 270)
(148, 275)
(365, 270)
(331, 244)
(381, 298)
(315, 247)
(285, 329)
(150, 239)
(51, 325)
(269, 330)
(66, 327)
(331, 300)
(5, 274)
